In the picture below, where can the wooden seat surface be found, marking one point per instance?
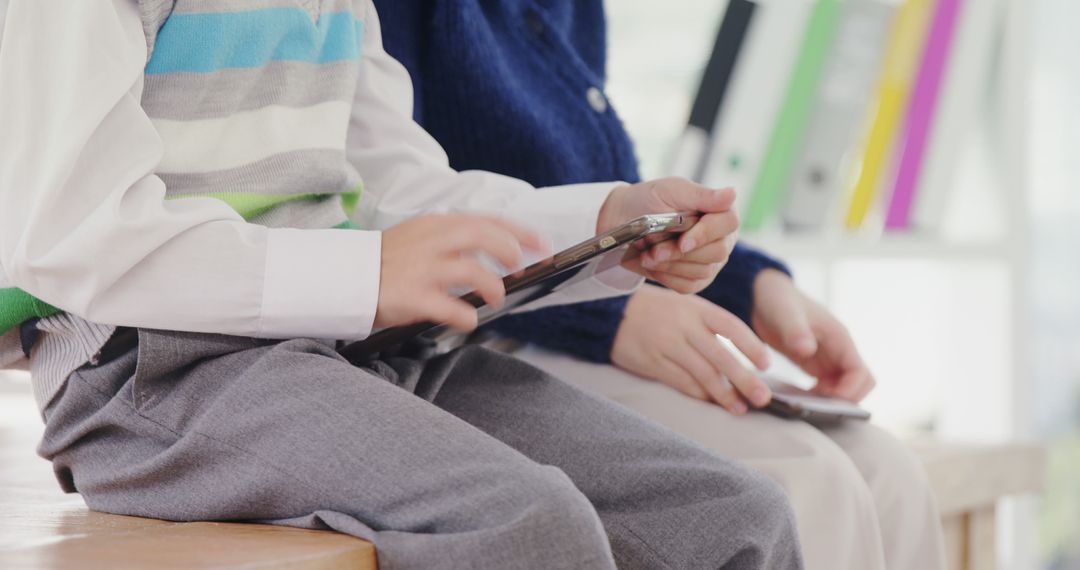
(41, 527)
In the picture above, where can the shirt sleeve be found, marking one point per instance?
(407, 173)
(84, 224)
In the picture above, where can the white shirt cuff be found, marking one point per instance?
(320, 284)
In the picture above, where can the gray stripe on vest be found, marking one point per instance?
(316, 171)
(229, 91)
(318, 214)
(153, 14)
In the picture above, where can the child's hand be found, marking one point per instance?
(670, 337)
(690, 263)
(423, 259)
(810, 336)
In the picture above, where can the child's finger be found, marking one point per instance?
(732, 329)
(470, 273)
(724, 393)
(675, 376)
(685, 196)
(676, 283)
(659, 254)
(695, 364)
(715, 252)
(488, 236)
(710, 228)
(527, 238)
(748, 384)
(634, 263)
(444, 309)
(687, 270)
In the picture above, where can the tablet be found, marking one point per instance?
(791, 402)
(539, 279)
(788, 401)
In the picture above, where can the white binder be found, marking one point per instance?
(758, 84)
(691, 147)
(964, 90)
(840, 110)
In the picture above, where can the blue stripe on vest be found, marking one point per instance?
(204, 43)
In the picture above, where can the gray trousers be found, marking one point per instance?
(468, 460)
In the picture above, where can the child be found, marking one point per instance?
(177, 178)
(544, 66)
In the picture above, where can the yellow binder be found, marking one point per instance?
(906, 44)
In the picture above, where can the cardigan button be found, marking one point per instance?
(596, 99)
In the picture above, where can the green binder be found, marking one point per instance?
(787, 136)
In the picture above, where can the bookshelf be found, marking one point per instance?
(900, 247)
(979, 221)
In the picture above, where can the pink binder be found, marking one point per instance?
(920, 114)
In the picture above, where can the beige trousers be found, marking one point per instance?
(861, 499)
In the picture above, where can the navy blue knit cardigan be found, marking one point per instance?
(515, 87)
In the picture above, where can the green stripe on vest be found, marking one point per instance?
(253, 205)
(17, 306)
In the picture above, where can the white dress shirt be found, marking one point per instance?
(85, 227)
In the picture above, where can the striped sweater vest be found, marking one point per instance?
(252, 100)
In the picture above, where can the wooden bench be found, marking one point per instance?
(968, 482)
(40, 527)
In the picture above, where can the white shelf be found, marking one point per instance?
(898, 247)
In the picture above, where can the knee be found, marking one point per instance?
(897, 478)
(556, 506)
(903, 497)
(823, 479)
(552, 511)
(773, 539)
(747, 522)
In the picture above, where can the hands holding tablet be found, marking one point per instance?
(425, 258)
(686, 356)
(670, 338)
